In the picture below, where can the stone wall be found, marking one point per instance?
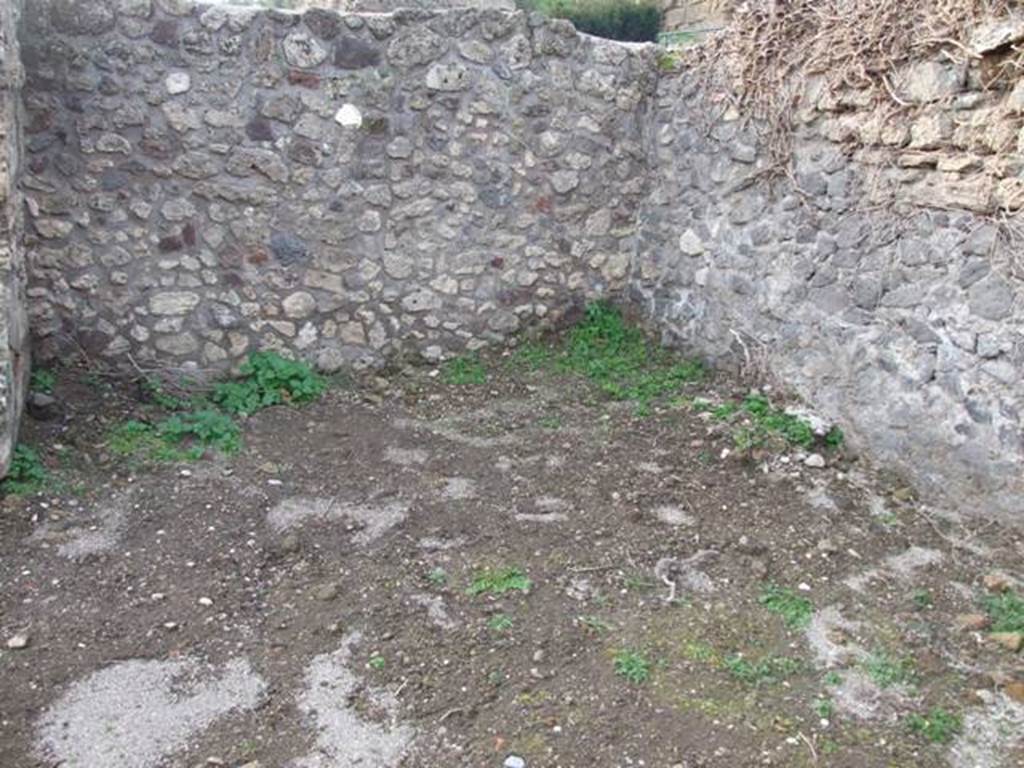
(208, 180)
(13, 349)
(902, 323)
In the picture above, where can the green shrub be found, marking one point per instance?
(180, 437)
(268, 379)
(26, 473)
(42, 380)
(938, 725)
(627, 20)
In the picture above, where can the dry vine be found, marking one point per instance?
(772, 48)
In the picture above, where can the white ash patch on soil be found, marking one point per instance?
(547, 505)
(828, 636)
(406, 457)
(903, 566)
(459, 489)
(988, 734)
(103, 535)
(136, 713)
(346, 739)
(859, 696)
(542, 517)
(439, 544)
(374, 520)
(450, 431)
(436, 611)
(672, 515)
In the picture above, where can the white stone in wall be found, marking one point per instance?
(178, 82)
(690, 243)
(349, 116)
(173, 302)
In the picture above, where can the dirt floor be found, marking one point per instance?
(413, 572)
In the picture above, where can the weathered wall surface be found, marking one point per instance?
(13, 349)
(901, 323)
(206, 181)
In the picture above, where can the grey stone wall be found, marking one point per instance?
(208, 180)
(13, 349)
(901, 323)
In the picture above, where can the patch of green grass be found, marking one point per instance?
(156, 392)
(595, 624)
(26, 473)
(833, 678)
(180, 437)
(640, 583)
(465, 371)
(824, 708)
(887, 671)
(769, 419)
(796, 611)
(632, 665)
(268, 379)
(550, 422)
(42, 380)
(621, 360)
(499, 582)
(937, 725)
(835, 438)
(770, 669)
(922, 599)
(500, 622)
(377, 662)
(532, 356)
(1006, 611)
(438, 577)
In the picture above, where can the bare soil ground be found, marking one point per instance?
(332, 595)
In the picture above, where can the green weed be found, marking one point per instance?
(887, 671)
(938, 725)
(922, 599)
(633, 666)
(377, 662)
(155, 392)
(796, 611)
(835, 438)
(532, 356)
(499, 622)
(595, 624)
(771, 669)
(268, 379)
(499, 582)
(438, 577)
(180, 437)
(550, 422)
(621, 360)
(1006, 611)
(824, 708)
(833, 678)
(42, 380)
(26, 473)
(464, 371)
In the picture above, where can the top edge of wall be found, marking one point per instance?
(93, 17)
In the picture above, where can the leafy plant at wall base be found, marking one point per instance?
(26, 473)
(42, 380)
(465, 370)
(177, 438)
(268, 379)
(620, 360)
